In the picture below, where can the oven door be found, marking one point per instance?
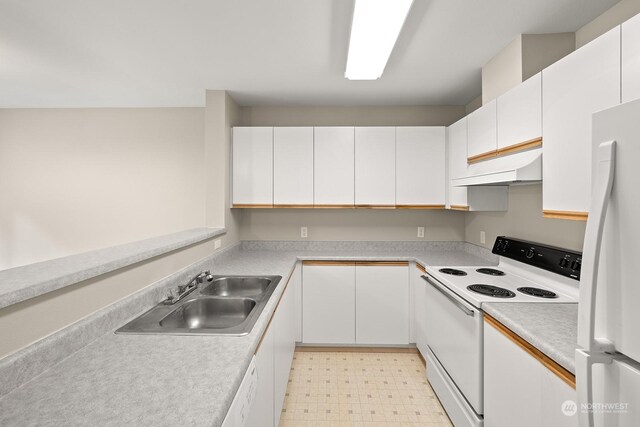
(454, 334)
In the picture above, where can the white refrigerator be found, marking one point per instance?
(608, 357)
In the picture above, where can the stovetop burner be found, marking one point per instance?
(492, 291)
(452, 271)
(491, 271)
(537, 292)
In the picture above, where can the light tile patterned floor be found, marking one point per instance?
(360, 389)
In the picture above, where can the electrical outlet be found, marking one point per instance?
(303, 232)
(217, 243)
(420, 231)
(483, 238)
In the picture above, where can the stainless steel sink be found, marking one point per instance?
(237, 286)
(220, 308)
(210, 313)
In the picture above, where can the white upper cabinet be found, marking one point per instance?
(420, 166)
(252, 166)
(481, 128)
(456, 163)
(586, 81)
(631, 59)
(293, 166)
(333, 166)
(519, 114)
(375, 171)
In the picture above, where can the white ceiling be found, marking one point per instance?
(121, 53)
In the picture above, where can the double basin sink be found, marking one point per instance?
(227, 305)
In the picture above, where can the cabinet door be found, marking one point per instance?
(420, 166)
(382, 304)
(375, 164)
(333, 166)
(329, 304)
(419, 310)
(293, 166)
(586, 81)
(555, 393)
(261, 413)
(252, 166)
(631, 59)
(519, 114)
(457, 163)
(296, 282)
(284, 346)
(481, 126)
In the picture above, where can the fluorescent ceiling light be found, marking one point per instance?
(374, 31)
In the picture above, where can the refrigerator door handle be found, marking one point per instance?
(584, 384)
(605, 172)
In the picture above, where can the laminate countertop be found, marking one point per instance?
(551, 328)
(175, 380)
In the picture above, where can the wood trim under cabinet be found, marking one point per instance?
(480, 157)
(328, 262)
(420, 206)
(550, 364)
(347, 349)
(383, 263)
(251, 206)
(375, 206)
(421, 268)
(333, 206)
(572, 215)
(521, 146)
(459, 207)
(293, 206)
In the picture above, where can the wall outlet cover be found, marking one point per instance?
(420, 231)
(483, 238)
(303, 232)
(217, 243)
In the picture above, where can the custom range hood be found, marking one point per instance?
(520, 168)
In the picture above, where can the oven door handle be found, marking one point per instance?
(457, 303)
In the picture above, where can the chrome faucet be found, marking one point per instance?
(181, 291)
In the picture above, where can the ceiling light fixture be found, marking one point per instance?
(374, 31)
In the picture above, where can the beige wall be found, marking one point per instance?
(352, 116)
(541, 50)
(619, 13)
(503, 71)
(74, 180)
(351, 224)
(524, 220)
(222, 113)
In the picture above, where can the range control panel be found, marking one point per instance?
(561, 261)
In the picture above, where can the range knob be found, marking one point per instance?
(564, 262)
(576, 265)
(530, 253)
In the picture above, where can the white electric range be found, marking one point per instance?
(527, 272)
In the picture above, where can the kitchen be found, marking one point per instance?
(209, 237)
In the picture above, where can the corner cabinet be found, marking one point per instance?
(420, 167)
(575, 87)
(252, 167)
(457, 164)
(521, 386)
(375, 167)
(631, 59)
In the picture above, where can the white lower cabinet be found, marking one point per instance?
(284, 345)
(519, 389)
(328, 303)
(382, 304)
(351, 303)
(419, 309)
(273, 363)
